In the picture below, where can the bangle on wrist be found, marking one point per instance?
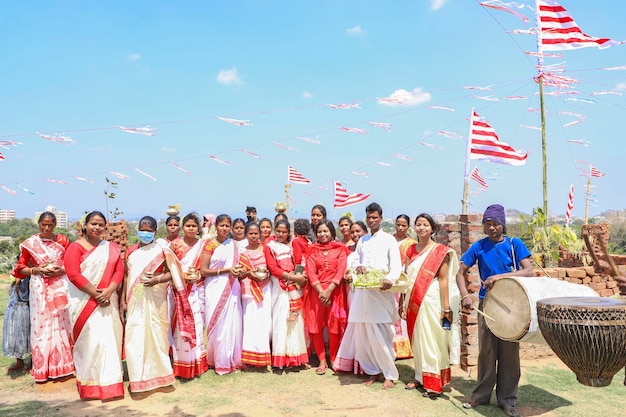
(466, 295)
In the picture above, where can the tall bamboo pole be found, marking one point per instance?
(544, 151)
(587, 200)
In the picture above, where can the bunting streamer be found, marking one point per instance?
(343, 199)
(506, 7)
(385, 164)
(57, 138)
(475, 175)
(120, 176)
(385, 126)
(295, 177)
(430, 145)
(6, 143)
(7, 189)
(345, 106)
(84, 179)
(302, 138)
(221, 161)
(235, 122)
(145, 174)
(449, 135)
(403, 157)
(146, 130)
(485, 145)
(252, 154)
(178, 167)
(280, 145)
(361, 174)
(582, 142)
(26, 190)
(595, 172)
(441, 108)
(355, 130)
(57, 181)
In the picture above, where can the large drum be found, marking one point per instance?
(511, 303)
(588, 334)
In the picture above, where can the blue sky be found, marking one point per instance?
(80, 68)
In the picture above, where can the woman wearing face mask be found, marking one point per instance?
(326, 301)
(144, 300)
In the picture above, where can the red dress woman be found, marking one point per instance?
(326, 298)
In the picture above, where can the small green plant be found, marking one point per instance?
(108, 192)
(548, 239)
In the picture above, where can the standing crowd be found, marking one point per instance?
(232, 295)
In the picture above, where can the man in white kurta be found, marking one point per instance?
(372, 313)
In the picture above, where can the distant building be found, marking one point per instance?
(6, 215)
(61, 216)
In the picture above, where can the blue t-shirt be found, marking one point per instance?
(495, 257)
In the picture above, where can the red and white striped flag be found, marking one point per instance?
(558, 31)
(343, 199)
(475, 175)
(295, 177)
(595, 172)
(485, 145)
(570, 205)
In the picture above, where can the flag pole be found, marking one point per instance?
(544, 151)
(587, 199)
(464, 201)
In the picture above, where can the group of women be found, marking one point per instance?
(255, 300)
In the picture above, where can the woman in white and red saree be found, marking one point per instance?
(95, 270)
(190, 358)
(150, 266)
(223, 299)
(433, 301)
(288, 339)
(41, 257)
(256, 299)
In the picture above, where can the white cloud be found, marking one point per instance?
(356, 31)
(436, 4)
(134, 57)
(167, 149)
(230, 76)
(403, 97)
(306, 94)
(621, 86)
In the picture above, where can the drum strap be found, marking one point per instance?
(514, 267)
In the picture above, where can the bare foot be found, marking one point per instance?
(370, 380)
(388, 384)
(293, 316)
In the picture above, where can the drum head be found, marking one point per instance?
(507, 303)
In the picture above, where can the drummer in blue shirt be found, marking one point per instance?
(498, 256)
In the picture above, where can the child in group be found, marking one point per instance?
(300, 242)
(300, 246)
(16, 324)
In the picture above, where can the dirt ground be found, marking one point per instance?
(254, 394)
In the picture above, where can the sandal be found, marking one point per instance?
(413, 385)
(320, 371)
(471, 404)
(431, 395)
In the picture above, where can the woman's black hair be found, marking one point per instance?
(150, 221)
(405, 217)
(330, 226)
(361, 225)
(47, 214)
(287, 225)
(252, 224)
(172, 218)
(431, 221)
(221, 217)
(320, 208)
